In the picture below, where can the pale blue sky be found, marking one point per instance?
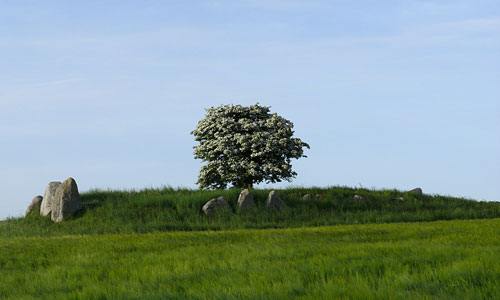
(389, 94)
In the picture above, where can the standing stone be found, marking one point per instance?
(417, 191)
(245, 200)
(67, 200)
(212, 206)
(306, 197)
(35, 204)
(273, 201)
(358, 198)
(48, 198)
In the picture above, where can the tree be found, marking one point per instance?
(245, 145)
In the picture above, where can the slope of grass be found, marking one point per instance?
(445, 259)
(169, 209)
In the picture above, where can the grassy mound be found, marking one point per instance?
(169, 209)
(435, 260)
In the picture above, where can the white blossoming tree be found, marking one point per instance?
(245, 145)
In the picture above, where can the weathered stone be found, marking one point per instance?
(398, 200)
(358, 198)
(212, 206)
(273, 201)
(306, 197)
(35, 204)
(48, 198)
(417, 191)
(67, 200)
(245, 200)
(319, 196)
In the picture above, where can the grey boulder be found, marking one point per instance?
(417, 191)
(245, 200)
(274, 201)
(48, 198)
(358, 198)
(398, 200)
(306, 197)
(67, 200)
(35, 204)
(212, 206)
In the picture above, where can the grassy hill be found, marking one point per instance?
(169, 209)
(156, 244)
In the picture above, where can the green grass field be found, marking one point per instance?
(155, 244)
(445, 259)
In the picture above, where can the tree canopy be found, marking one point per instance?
(244, 145)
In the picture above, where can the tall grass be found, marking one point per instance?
(169, 209)
(436, 260)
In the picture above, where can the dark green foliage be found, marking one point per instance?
(169, 209)
(435, 260)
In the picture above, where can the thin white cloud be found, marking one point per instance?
(485, 25)
(58, 82)
(177, 35)
(28, 85)
(475, 32)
